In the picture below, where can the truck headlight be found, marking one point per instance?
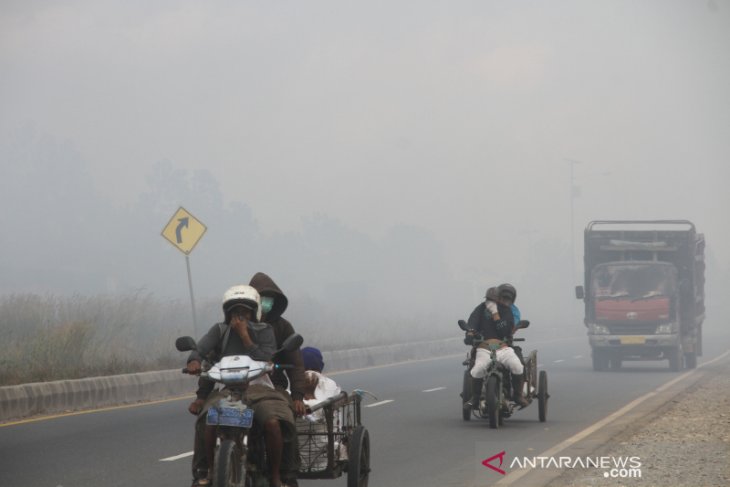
(600, 329)
(665, 329)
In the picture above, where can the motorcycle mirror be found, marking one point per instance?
(523, 324)
(462, 325)
(291, 343)
(185, 344)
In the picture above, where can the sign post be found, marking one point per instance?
(184, 231)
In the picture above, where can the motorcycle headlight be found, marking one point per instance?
(665, 329)
(600, 330)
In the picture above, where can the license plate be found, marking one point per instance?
(633, 340)
(224, 416)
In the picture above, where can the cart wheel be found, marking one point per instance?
(465, 395)
(532, 384)
(358, 468)
(494, 409)
(542, 396)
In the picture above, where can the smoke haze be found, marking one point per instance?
(384, 162)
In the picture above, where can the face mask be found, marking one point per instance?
(267, 303)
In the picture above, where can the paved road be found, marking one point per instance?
(418, 438)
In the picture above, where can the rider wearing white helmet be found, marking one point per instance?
(241, 333)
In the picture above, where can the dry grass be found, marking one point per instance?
(44, 338)
(48, 338)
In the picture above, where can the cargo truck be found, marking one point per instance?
(643, 292)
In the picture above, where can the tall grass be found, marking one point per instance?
(46, 337)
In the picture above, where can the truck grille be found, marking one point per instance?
(633, 329)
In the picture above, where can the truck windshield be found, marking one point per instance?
(634, 281)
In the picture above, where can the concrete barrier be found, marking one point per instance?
(25, 400)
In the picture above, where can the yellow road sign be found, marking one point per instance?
(183, 230)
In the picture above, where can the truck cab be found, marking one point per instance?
(644, 292)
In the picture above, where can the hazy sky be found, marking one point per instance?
(459, 117)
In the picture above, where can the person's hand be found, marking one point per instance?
(299, 408)
(240, 326)
(194, 367)
(196, 406)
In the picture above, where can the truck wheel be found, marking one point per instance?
(600, 361)
(675, 359)
(690, 360)
(465, 396)
(615, 363)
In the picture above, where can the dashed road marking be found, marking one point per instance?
(379, 403)
(558, 361)
(578, 356)
(434, 389)
(177, 457)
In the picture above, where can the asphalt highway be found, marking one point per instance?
(418, 437)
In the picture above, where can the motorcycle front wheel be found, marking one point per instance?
(228, 468)
(466, 394)
(494, 410)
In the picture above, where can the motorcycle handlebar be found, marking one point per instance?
(184, 370)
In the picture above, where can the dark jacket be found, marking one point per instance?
(221, 341)
(282, 329)
(481, 321)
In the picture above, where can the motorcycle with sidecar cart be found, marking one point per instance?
(240, 454)
(495, 398)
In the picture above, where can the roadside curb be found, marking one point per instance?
(26, 400)
(596, 437)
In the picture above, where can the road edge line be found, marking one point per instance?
(510, 478)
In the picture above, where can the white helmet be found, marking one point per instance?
(242, 295)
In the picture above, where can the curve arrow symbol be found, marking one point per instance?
(178, 230)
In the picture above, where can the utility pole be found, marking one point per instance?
(571, 164)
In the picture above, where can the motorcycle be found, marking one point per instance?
(240, 459)
(495, 398)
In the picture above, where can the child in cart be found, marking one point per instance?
(318, 388)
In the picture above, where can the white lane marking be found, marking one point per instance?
(434, 389)
(510, 478)
(558, 361)
(460, 354)
(578, 356)
(177, 457)
(379, 403)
